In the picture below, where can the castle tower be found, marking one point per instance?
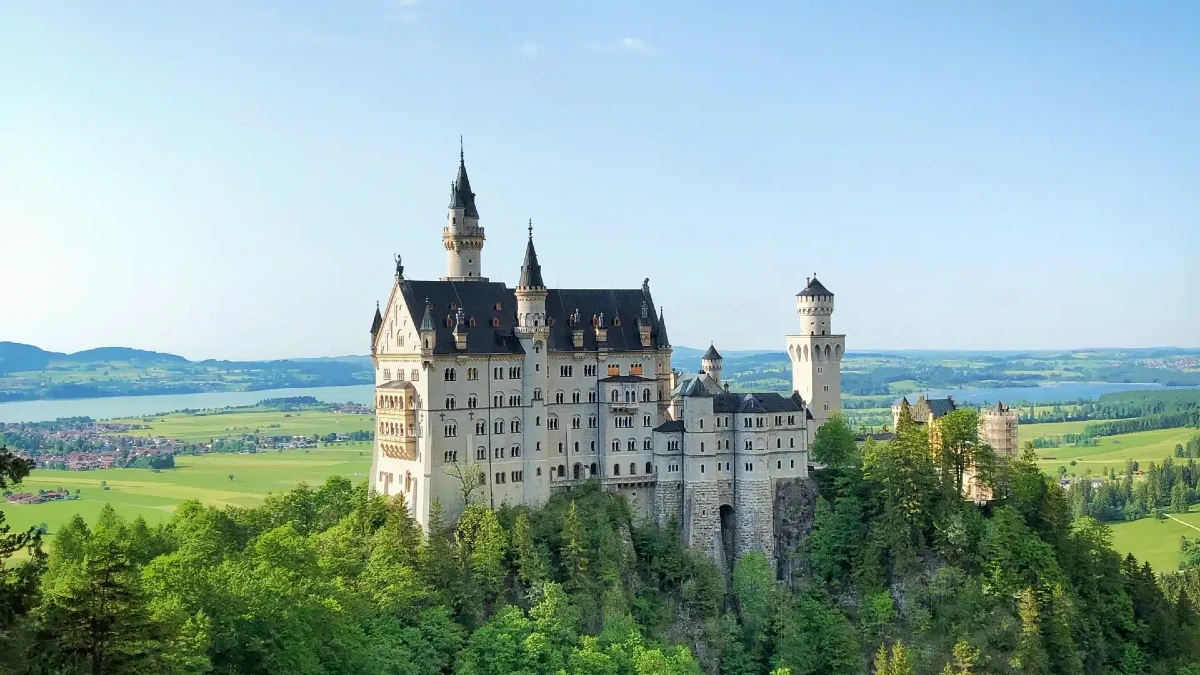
(462, 236)
(534, 333)
(816, 353)
(712, 363)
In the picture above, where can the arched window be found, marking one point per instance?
(648, 468)
(646, 445)
(552, 423)
(559, 397)
(481, 452)
(575, 397)
(480, 428)
(616, 469)
(516, 451)
(450, 403)
(450, 430)
(537, 394)
(498, 427)
(472, 401)
(632, 469)
(514, 426)
(592, 469)
(645, 394)
(497, 400)
(449, 375)
(631, 445)
(616, 396)
(562, 471)
(575, 422)
(576, 446)
(415, 375)
(616, 445)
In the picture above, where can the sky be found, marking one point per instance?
(224, 179)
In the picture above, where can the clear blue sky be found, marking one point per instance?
(230, 179)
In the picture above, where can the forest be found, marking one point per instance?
(898, 575)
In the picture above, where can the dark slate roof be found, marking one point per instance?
(531, 271)
(395, 384)
(815, 288)
(661, 335)
(766, 402)
(461, 196)
(878, 436)
(693, 386)
(941, 406)
(478, 301)
(712, 354)
(625, 378)
(377, 322)
(670, 426)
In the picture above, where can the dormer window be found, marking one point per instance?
(616, 321)
(498, 307)
(495, 322)
(471, 322)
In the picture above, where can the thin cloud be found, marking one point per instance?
(529, 50)
(633, 45)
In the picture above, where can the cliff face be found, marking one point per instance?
(795, 507)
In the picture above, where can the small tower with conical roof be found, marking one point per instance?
(462, 236)
(816, 353)
(712, 363)
(531, 291)
(376, 324)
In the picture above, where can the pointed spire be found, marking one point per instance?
(427, 320)
(377, 322)
(663, 341)
(531, 270)
(461, 196)
(712, 354)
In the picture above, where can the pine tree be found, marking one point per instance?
(574, 553)
(531, 566)
(1030, 658)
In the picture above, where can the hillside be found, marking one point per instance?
(29, 373)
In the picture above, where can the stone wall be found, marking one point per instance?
(752, 511)
(702, 521)
(795, 507)
(668, 503)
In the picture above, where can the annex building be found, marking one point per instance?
(540, 389)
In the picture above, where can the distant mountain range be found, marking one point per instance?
(28, 372)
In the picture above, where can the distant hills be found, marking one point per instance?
(28, 372)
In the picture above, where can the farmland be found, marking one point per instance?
(205, 426)
(154, 495)
(1112, 451)
(1155, 541)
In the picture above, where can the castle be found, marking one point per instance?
(508, 395)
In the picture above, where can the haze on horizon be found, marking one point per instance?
(230, 180)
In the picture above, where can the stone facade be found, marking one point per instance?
(540, 389)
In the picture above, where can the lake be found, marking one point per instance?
(133, 406)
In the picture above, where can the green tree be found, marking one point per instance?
(1030, 657)
(1179, 498)
(574, 552)
(531, 564)
(18, 583)
(960, 446)
(962, 659)
(834, 445)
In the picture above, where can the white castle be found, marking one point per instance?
(544, 389)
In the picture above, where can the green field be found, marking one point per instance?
(1155, 541)
(236, 423)
(141, 492)
(1143, 446)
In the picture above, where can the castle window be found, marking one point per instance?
(537, 394)
(480, 428)
(778, 464)
(499, 477)
(575, 397)
(631, 445)
(450, 456)
(480, 453)
(591, 397)
(575, 422)
(820, 370)
(539, 471)
(826, 387)
(791, 419)
(537, 421)
(616, 469)
(646, 444)
(826, 406)
(472, 401)
(701, 422)
(701, 446)
(747, 422)
(616, 445)
(498, 453)
(552, 423)
(589, 370)
(516, 451)
(495, 322)
(400, 374)
(648, 470)
(646, 420)
(758, 422)
(497, 373)
(450, 430)
(701, 468)
(632, 469)
(450, 405)
(559, 397)
(592, 446)
(793, 462)
(616, 321)
(791, 442)
(749, 445)
(779, 442)
(538, 446)
(562, 471)
(471, 322)
(778, 420)
(498, 427)
(565, 371)
(498, 307)
(592, 469)
(514, 426)
(518, 476)
(497, 400)
(415, 375)
(514, 373)
(645, 394)
(591, 421)
(387, 374)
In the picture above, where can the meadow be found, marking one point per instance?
(1112, 451)
(142, 492)
(205, 426)
(1155, 541)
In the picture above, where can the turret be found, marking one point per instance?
(462, 236)
(815, 306)
(428, 335)
(712, 363)
(376, 324)
(531, 291)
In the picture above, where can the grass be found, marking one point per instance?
(1154, 541)
(1112, 451)
(141, 492)
(204, 426)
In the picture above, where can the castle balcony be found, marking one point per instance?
(630, 481)
(623, 407)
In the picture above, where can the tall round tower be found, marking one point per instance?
(462, 236)
(816, 353)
